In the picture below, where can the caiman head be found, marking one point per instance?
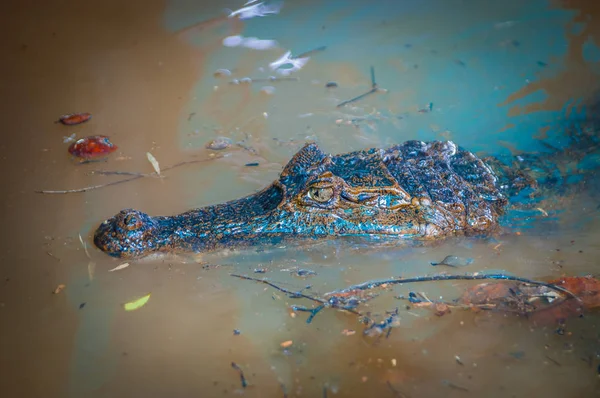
(410, 191)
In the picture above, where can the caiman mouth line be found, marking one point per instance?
(414, 190)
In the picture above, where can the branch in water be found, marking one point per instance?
(135, 177)
(373, 284)
(346, 300)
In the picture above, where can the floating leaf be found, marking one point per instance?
(154, 162)
(138, 303)
(75, 118)
(119, 267)
(586, 288)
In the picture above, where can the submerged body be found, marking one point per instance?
(415, 190)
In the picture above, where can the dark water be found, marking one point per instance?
(497, 78)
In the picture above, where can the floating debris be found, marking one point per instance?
(267, 90)
(310, 52)
(74, 118)
(303, 273)
(286, 344)
(504, 25)
(374, 88)
(59, 289)
(441, 309)
(136, 304)
(427, 109)
(219, 143)
(252, 164)
(68, 139)
(236, 332)
(260, 270)
(119, 267)
(287, 64)
(348, 332)
(331, 84)
(271, 79)
(153, 162)
(245, 80)
(92, 147)
(82, 305)
(259, 44)
(233, 41)
(242, 377)
(222, 73)
(454, 261)
(257, 10)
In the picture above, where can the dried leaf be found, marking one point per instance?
(119, 267)
(154, 162)
(137, 303)
(286, 344)
(586, 288)
(59, 288)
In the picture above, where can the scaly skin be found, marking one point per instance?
(414, 190)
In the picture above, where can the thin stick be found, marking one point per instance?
(310, 52)
(135, 177)
(268, 79)
(373, 284)
(373, 84)
(125, 173)
(373, 90)
(242, 378)
(53, 256)
(281, 289)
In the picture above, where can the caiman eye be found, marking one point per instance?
(132, 222)
(321, 195)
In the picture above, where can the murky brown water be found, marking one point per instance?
(142, 84)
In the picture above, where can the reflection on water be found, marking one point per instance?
(504, 80)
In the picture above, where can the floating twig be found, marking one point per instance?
(373, 83)
(554, 361)
(84, 247)
(374, 89)
(281, 289)
(242, 378)
(53, 256)
(135, 177)
(309, 52)
(444, 277)
(125, 173)
(271, 79)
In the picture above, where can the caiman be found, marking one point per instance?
(411, 191)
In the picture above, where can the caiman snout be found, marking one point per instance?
(128, 234)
